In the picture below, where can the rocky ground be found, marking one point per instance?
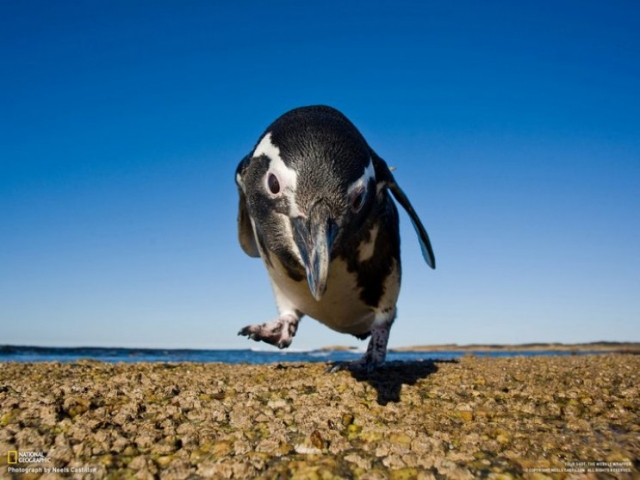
(520, 417)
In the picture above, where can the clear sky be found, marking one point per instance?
(514, 127)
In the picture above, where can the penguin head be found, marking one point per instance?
(309, 183)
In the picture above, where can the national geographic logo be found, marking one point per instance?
(31, 463)
(15, 457)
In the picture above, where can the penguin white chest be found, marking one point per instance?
(340, 308)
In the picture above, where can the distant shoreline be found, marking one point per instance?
(600, 347)
(604, 347)
(610, 347)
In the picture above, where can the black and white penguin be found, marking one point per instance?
(315, 205)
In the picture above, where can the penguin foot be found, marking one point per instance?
(375, 355)
(279, 332)
(363, 365)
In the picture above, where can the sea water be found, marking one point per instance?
(10, 353)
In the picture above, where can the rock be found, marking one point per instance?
(478, 417)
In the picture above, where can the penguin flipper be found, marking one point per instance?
(246, 235)
(423, 237)
(245, 230)
(384, 173)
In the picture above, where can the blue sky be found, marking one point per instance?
(514, 128)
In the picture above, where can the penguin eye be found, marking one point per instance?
(273, 184)
(357, 199)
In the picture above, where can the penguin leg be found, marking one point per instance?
(376, 353)
(278, 332)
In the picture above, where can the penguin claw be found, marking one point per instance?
(279, 332)
(373, 358)
(247, 332)
(341, 367)
(358, 366)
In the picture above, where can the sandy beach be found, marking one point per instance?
(519, 417)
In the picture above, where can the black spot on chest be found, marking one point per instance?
(290, 264)
(372, 273)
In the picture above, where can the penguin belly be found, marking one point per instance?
(340, 308)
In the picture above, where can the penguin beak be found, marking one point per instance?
(314, 237)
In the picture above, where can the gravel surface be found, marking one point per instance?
(519, 417)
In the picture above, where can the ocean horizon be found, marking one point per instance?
(18, 353)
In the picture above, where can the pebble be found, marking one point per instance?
(502, 418)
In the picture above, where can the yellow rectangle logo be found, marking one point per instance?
(12, 457)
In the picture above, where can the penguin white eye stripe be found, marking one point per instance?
(363, 181)
(287, 177)
(369, 172)
(266, 147)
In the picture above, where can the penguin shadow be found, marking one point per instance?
(389, 379)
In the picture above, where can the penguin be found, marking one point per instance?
(315, 203)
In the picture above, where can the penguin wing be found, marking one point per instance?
(383, 173)
(245, 230)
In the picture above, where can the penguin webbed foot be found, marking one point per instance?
(279, 332)
(374, 357)
(363, 365)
